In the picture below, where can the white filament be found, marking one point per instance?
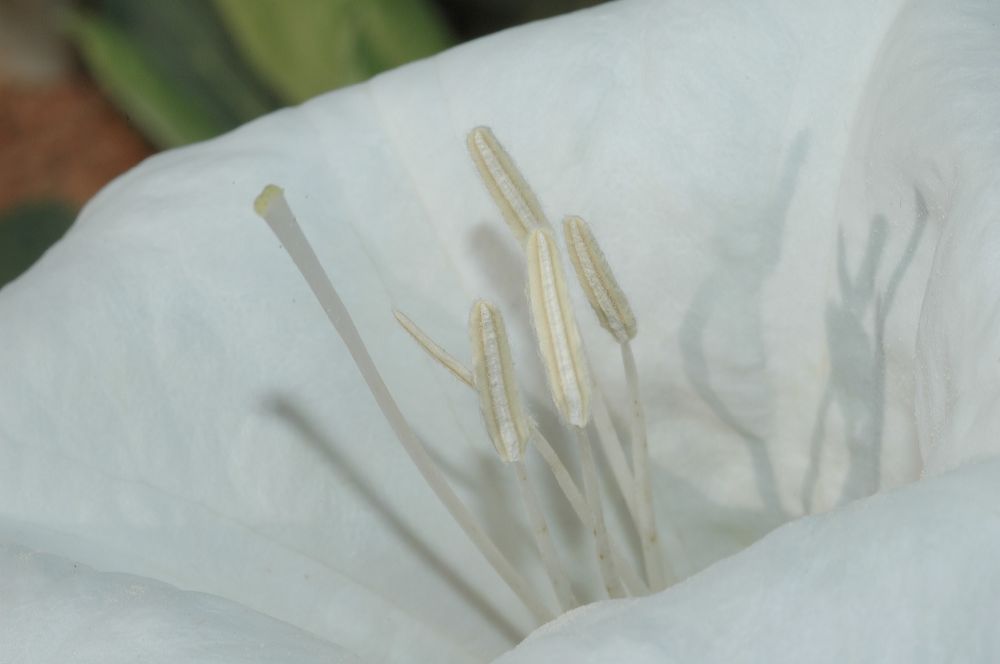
(592, 492)
(543, 540)
(648, 534)
(433, 349)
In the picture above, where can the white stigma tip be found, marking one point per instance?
(433, 349)
(493, 373)
(263, 202)
(508, 188)
(597, 280)
(555, 327)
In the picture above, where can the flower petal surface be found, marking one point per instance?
(56, 610)
(799, 202)
(862, 584)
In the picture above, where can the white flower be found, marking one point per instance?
(801, 203)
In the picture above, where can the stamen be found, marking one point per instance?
(633, 583)
(555, 327)
(509, 429)
(433, 349)
(493, 372)
(598, 282)
(569, 379)
(508, 188)
(271, 205)
(615, 315)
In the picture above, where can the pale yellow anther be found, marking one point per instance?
(493, 372)
(508, 188)
(456, 368)
(555, 327)
(597, 280)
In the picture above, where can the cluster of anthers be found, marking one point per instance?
(574, 392)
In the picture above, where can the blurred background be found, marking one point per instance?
(89, 88)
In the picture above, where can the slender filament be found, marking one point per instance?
(648, 534)
(433, 349)
(543, 540)
(592, 492)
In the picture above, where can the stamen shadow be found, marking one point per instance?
(856, 385)
(501, 260)
(493, 498)
(312, 436)
(748, 252)
(707, 526)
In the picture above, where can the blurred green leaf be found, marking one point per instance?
(26, 231)
(187, 43)
(307, 47)
(168, 114)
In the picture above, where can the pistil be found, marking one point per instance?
(273, 208)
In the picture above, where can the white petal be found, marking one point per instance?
(908, 577)
(164, 365)
(57, 610)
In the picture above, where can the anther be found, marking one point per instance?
(493, 374)
(510, 429)
(508, 188)
(597, 280)
(555, 327)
